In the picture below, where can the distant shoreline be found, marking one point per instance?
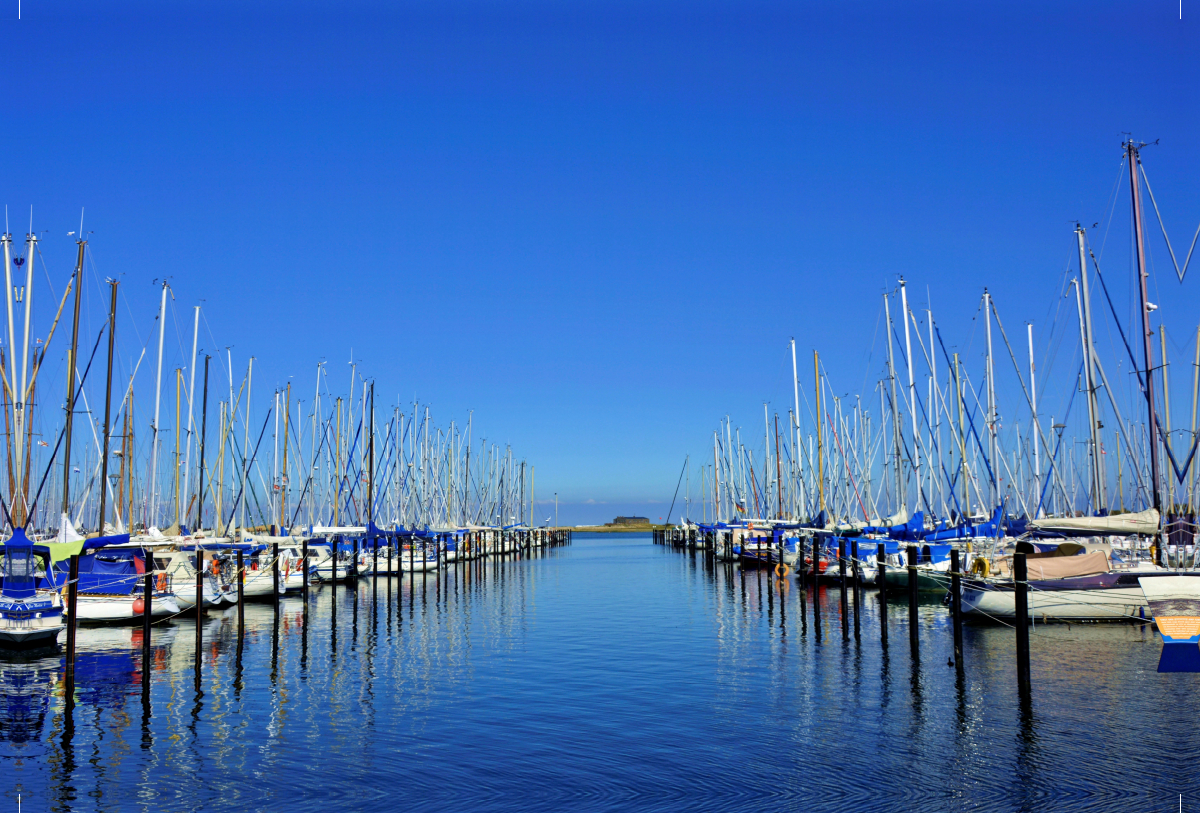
(616, 529)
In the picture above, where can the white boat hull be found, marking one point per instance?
(100, 609)
(1109, 604)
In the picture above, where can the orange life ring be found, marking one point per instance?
(161, 582)
(216, 567)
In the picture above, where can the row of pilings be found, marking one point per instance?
(817, 566)
(474, 547)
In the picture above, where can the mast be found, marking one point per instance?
(273, 507)
(203, 435)
(820, 444)
(766, 462)
(795, 422)
(912, 389)
(125, 448)
(112, 330)
(246, 443)
(1037, 430)
(187, 465)
(1135, 191)
(716, 485)
(287, 416)
(962, 439)
(991, 394)
(162, 324)
(1093, 463)
(1166, 429)
(778, 469)
(1089, 359)
(71, 364)
(887, 311)
(371, 462)
(337, 466)
(175, 473)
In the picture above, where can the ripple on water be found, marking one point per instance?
(610, 675)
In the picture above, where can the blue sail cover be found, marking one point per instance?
(933, 554)
(912, 530)
(991, 528)
(115, 572)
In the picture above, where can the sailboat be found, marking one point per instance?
(31, 611)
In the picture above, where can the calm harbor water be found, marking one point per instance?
(613, 674)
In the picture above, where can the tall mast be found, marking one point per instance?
(187, 465)
(71, 364)
(274, 505)
(9, 370)
(1135, 191)
(1037, 431)
(778, 469)
(716, 484)
(283, 481)
(112, 330)
(20, 391)
(246, 444)
(962, 439)
(162, 323)
(912, 389)
(900, 496)
(766, 462)
(371, 462)
(1089, 363)
(1166, 426)
(820, 444)
(795, 422)
(1093, 463)
(203, 435)
(991, 401)
(175, 472)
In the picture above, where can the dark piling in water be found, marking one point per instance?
(1021, 596)
(842, 589)
(241, 585)
(881, 578)
(956, 606)
(147, 604)
(72, 622)
(199, 610)
(913, 634)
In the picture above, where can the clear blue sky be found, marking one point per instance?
(595, 224)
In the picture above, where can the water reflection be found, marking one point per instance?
(613, 674)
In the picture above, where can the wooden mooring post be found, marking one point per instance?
(199, 610)
(147, 605)
(913, 632)
(956, 606)
(881, 580)
(1021, 596)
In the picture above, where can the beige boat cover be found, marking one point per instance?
(1063, 567)
(1143, 522)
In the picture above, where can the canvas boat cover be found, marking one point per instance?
(1064, 567)
(1143, 522)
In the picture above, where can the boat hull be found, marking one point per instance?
(118, 609)
(896, 581)
(1113, 596)
(30, 637)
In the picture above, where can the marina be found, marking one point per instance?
(599, 407)
(558, 677)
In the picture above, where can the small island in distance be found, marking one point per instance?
(621, 525)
